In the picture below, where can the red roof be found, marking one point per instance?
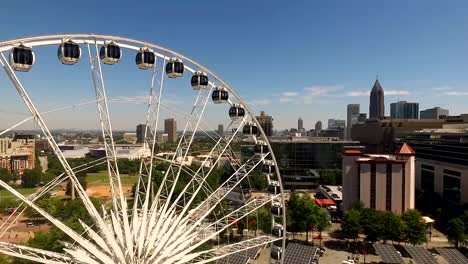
(321, 202)
(352, 152)
(406, 150)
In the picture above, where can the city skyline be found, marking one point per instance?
(320, 75)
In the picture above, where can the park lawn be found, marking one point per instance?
(102, 178)
(23, 191)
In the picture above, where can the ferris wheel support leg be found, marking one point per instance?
(33, 254)
(118, 199)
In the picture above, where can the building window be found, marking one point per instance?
(427, 178)
(452, 186)
(372, 186)
(388, 189)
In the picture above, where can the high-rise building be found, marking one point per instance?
(170, 128)
(352, 113)
(336, 123)
(433, 113)
(361, 118)
(404, 110)
(318, 128)
(300, 125)
(220, 130)
(140, 133)
(380, 181)
(266, 122)
(377, 103)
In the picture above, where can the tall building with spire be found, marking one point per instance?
(377, 104)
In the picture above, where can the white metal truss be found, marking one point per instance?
(162, 227)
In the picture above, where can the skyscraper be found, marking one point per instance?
(336, 123)
(318, 128)
(433, 113)
(140, 133)
(220, 130)
(404, 110)
(377, 104)
(352, 114)
(300, 124)
(266, 122)
(170, 128)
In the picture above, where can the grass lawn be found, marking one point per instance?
(23, 191)
(101, 178)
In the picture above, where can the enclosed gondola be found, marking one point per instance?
(145, 58)
(69, 52)
(236, 112)
(174, 68)
(274, 187)
(276, 208)
(268, 166)
(261, 148)
(250, 129)
(199, 80)
(278, 230)
(110, 53)
(276, 252)
(220, 95)
(22, 58)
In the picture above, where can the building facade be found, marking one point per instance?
(318, 128)
(266, 122)
(382, 182)
(434, 113)
(352, 114)
(404, 110)
(140, 133)
(335, 123)
(17, 153)
(377, 102)
(220, 130)
(442, 161)
(170, 128)
(301, 160)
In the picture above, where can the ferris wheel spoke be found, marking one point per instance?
(33, 254)
(45, 130)
(118, 200)
(184, 144)
(211, 255)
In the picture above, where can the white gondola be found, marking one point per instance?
(268, 166)
(250, 129)
(110, 53)
(278, 230)
(219, 95)
(236, 112)
(276, 208)
(145, 58)
(199, 80)
(276, 252)
(69, 52)
(174, 68)
(274, 187)
(22, 58)
(261, 148)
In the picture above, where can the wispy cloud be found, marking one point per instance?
(358, 93)
(285, 100)
(397, 92)
(290, 94)
(443, 88)
(456, 93)
(261, 102)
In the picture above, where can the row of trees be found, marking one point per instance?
(384, 226)
(457, 230)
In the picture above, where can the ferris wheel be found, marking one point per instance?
(181, 217)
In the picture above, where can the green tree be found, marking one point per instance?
(322, 221)
(392, 226)
(31, 178)
(456, 231)
(264, 220)
(350, 226)
(301, 212)
(5, 175)
(371, 224)
(414, 229)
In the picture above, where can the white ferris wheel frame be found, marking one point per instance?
(118, 199)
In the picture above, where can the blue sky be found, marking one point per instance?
(290, 58)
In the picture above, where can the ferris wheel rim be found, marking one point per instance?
(56, 39)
